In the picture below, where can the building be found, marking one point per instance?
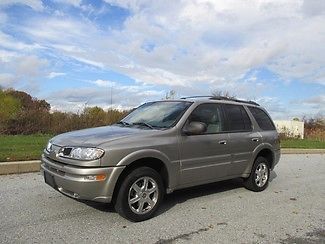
(290, 128)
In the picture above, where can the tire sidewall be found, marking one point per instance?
(257, 162)
(122, 199)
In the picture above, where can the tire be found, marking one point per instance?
(260, 175)
(140, 194)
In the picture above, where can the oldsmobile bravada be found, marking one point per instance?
(163, 146)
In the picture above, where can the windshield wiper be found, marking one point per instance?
(123, 123)
(143, 124)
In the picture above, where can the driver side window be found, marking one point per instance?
(209, 114)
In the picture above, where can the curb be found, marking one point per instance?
(35, 165)
(20, 167)
(301, 151)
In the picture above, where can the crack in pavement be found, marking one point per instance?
(186, 236)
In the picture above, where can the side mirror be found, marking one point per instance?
(195, 128)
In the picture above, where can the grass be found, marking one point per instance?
(29, 147)
(305, 143)
(22, 147)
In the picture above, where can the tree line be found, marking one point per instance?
(20, 113)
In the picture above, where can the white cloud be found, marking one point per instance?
(193, 46)
(75, 3)
(3, 18)
(37, 5)
(196, 41)
(7, 56)
(7, 80)
(103, 83)
(29, 66)
(316, 101)
(123, 97)
(313, 7)
(8, 42)
(52, 75)
(22, 71)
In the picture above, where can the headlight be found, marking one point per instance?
(81, 153)
(49, 147)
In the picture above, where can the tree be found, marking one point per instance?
(94, 116)
(224, 94)
(28, 102)
(20, 113)
(170, 95)
(9, 109)
(9, 106)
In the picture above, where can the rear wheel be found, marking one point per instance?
(259, 177)
(140, 194)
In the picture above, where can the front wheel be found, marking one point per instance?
(140, 194)
(259, 177)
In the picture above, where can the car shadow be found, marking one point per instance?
(273, 175)
(103, 207)
(183, 195)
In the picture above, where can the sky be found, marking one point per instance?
(121, 53)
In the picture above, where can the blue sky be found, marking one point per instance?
(75, 53)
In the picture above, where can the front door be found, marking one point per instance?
(205, 157)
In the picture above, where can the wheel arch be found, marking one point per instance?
(268, 154)
(152, 159)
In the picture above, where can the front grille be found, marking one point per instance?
(55, 170)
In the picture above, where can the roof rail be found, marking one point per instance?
(196, 97)
(233, 100)
(224, 98)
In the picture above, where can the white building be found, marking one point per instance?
(290, 128)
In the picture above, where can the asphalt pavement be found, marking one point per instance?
(290, 210)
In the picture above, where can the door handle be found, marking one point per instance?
(255, 139)
(224, 142)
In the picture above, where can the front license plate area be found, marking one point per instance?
(49, 179)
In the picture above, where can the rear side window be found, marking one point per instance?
(238, 119)
(262, 119)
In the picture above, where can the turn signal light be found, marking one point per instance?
(100, 177)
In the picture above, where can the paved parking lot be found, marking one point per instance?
(291, 210)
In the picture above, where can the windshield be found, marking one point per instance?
(163, 114)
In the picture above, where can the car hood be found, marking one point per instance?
(95, 136)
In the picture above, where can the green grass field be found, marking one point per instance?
(29, 147)
(306, 143)
(22, 147)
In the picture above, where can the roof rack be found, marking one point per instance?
(196, 97)
(223, 98)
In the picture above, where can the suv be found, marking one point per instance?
(163, 146)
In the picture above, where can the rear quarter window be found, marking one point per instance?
(262, 119)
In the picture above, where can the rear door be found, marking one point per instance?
(242, 139)
(267, 127)
(205, 157)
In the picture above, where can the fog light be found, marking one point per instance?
(95, 177)
(90, 177)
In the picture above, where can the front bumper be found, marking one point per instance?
(70, 180)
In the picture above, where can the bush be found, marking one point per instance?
(315, 128)
(22, 114)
